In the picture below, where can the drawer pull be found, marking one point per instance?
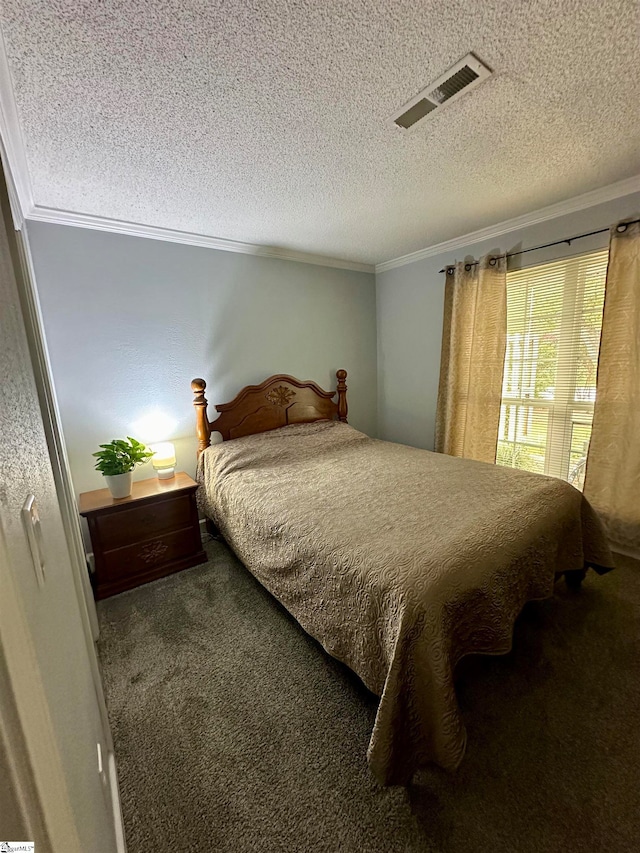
(152, 551)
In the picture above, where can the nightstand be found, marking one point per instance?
(153, 532)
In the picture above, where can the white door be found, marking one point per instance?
(44, 654)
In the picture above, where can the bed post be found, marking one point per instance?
(200, 404)
(341, 375)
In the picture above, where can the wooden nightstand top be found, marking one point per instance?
(90, 502)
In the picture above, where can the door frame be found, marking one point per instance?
(39, 800)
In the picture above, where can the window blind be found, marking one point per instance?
(554, 319)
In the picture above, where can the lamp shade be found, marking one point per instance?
(164, 458)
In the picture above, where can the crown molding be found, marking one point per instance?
(562, 208)
(38, 213)
(14, 158)
(12, 151)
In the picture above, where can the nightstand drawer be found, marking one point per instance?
(152, 533)
(143, 557)
(143, 521)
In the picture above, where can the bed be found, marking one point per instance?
(398, 561)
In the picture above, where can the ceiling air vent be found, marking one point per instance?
(460, 78)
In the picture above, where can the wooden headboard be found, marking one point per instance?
(278, 401)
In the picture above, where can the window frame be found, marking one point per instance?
(564, 412)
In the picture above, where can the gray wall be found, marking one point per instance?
(130, 321)
(409, 315)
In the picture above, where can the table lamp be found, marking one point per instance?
(164, 459)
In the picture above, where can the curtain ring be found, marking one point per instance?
(492, 261)
(622, 228)
(450, 270)
(468, 267)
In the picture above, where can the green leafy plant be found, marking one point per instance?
(120, 457)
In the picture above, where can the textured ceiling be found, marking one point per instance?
(267, 121)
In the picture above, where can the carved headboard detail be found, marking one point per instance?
(278, 401)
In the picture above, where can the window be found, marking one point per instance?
(554, 318)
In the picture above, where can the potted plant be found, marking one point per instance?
(117, 460)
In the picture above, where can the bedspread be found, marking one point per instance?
(399, 561)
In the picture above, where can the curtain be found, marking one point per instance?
(472, 362)
(612, 480)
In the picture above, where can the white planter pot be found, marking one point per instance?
(119, 485)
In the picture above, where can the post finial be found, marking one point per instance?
(341, 376)
(203, 430)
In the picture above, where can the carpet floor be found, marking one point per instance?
(235, 731)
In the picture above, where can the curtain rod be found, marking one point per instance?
(569, 240)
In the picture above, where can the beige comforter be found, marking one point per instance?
(399, 561)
